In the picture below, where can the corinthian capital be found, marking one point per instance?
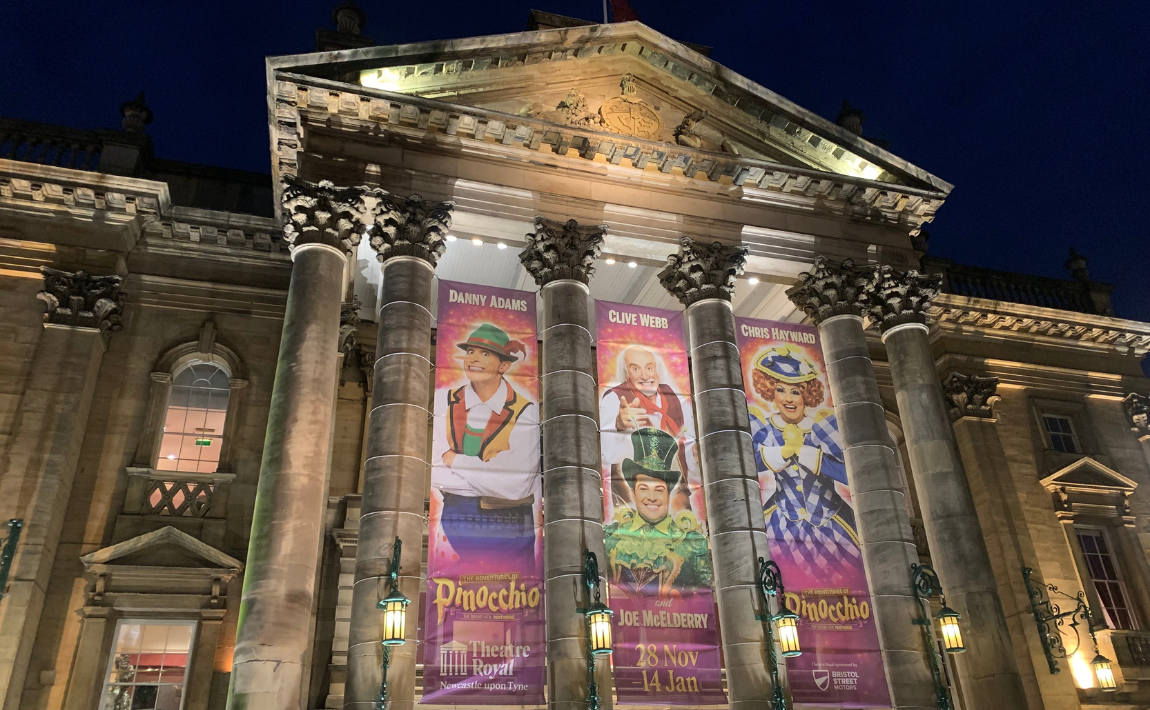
(699, 271)
(82, 300)
(408, 226)
(558, 250)
(832, 288)
(1138, 413)
(897, 297)
(321, 213)
(970, 395)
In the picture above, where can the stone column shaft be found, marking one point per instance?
(37, 472)
(988, 671)
(880, 510)
(287, 522)
(408, 235)
(561, 259)
(702, 277)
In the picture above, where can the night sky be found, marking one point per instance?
(1036, 112)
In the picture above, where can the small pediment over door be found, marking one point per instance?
(166, 547)
(1087, 486)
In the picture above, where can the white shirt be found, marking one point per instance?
(511, 474)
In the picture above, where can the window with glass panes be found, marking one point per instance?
(194, 421)
(1106, 576)
(148, 668)
(1061, 433)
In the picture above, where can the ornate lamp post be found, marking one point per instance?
(598, 625)
(1049, 618)
(924, 582)
(785, 622)
(394, 609)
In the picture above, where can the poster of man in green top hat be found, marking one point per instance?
(648, 549)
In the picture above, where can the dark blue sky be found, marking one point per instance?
(1037, 112)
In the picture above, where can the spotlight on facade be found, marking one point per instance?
(451, 237)
(477, 241)
(609, 261)
(949, 628)
(632, 264)
(394, 609)
(754, 281)
(1104, 673)
(501, 245)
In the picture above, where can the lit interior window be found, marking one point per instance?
(148, 667)
(194, 421)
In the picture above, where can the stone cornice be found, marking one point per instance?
(208, 227)
(204, 296)
(962, 315)
(309, 101)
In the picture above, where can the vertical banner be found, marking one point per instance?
(658, 562)
(809, 516)
(483, 625)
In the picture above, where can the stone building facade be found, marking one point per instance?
(214, 386)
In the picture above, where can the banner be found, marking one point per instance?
(809, 516)
(658, 562)
(483, 616)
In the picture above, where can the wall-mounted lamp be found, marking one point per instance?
(924, 581)
(1050, 619)
(598, 617)
(784, 623)
(8, 552)
(394, 609)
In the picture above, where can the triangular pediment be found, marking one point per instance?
(1088, 475)
(166, 547)
(540, 74)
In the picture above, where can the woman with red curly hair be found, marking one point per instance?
(797, 444)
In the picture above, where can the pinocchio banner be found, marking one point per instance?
(810, 517)
(658, 562)
(484, 633)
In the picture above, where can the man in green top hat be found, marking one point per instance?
(652, 551)
(485, 450)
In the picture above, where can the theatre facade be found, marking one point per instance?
(564, 369)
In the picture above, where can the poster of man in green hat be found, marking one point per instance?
(648, 548)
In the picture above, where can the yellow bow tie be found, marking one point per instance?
(792, 440)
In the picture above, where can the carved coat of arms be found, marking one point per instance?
(630, 115)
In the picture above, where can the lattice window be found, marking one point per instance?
(1139, 650)
(1107, 578)
(187, 499)
(194, 421)
(148, 669)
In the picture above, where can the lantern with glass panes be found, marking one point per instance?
(782, 626)
(598, 617)
(394, 610)
(924, 581)
(1051, 620)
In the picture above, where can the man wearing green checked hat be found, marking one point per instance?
(485, 456)
(648, 549)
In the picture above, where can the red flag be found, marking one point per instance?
(621, 11)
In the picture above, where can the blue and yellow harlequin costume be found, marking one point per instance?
(808, 521)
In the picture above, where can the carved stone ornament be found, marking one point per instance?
(832, 288)
(685, 132)
(321, 213)
(573, 110)
(348, 323)
(1138, 413)
(630, 115)
(970, 395)
(699, 271)
(82, 300)
(408, 226)
(557, 250)
(898, 297)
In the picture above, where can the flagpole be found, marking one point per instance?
(605, 20)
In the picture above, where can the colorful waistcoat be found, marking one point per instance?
(672, 410)
(493, 439)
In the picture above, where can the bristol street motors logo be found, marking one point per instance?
(822, 678)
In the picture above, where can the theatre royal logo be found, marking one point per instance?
(822, 678)
(453, 658)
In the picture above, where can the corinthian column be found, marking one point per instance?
(990, 678)
(320, 222)
(832, 295)
(409, 236)
(702, 277)
(560, 257)
(37, 472)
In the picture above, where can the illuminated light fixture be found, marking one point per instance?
(171, 456)
(951, 633)
(925, 585)
(501, 245)
(598, 625)
(477, 241)
(451, 237)
(203, 442)
(754, 281)
(785, 624)
(631, 264)
(609, 261)
(1104, 673)
(394, 609)
(384, 79)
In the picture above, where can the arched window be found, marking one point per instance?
(194, 420)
